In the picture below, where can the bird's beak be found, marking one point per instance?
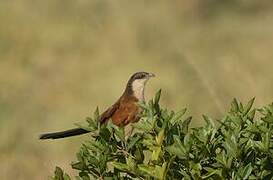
(151, 75)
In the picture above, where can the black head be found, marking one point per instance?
(141, 75)
(145, 76)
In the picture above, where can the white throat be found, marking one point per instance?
(138, 87)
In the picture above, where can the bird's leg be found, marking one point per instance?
(128, 131)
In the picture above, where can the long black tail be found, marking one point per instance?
(63, 134)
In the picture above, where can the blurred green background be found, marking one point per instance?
(59, 59)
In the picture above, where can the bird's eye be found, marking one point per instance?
(141, 76)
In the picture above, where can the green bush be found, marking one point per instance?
(163, 146)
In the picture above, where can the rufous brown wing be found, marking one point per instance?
(123, 112)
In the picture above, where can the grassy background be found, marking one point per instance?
(60, 59)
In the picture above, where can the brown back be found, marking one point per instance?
(123, 112)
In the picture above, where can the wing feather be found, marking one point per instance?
(109, 112)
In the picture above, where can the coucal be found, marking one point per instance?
(123, 112)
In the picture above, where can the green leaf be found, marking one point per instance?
(241, 107)
(154, 171)
(231, 146)
(96, 114)
(178, 116)
(120, 166)
(130, 162)
(139, 154)
(174, 150)
(66, 177)
(249, 106)
(92, 123)
(58, 173)
(149, 170)
(145, 124)
(209, 121)
(157, 97)
(120, 133)
(268, 119)
(211, 172)
(251, 114)
(247, 171)
(156, 154)
(78, 166)
(95, 146)
(160, 137)
(187, 141)
(84, 175)
(133, 141)
(185, 125)
(177, 149)
(234, 105)
(266, 141)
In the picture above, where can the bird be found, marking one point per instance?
(124, 111)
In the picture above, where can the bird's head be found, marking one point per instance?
(137, 82)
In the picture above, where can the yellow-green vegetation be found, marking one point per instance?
(163, 146)
(59, 59)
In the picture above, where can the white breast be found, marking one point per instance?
(138, 87)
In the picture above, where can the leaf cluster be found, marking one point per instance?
(162, 146)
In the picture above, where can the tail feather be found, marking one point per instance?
(63, 134)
